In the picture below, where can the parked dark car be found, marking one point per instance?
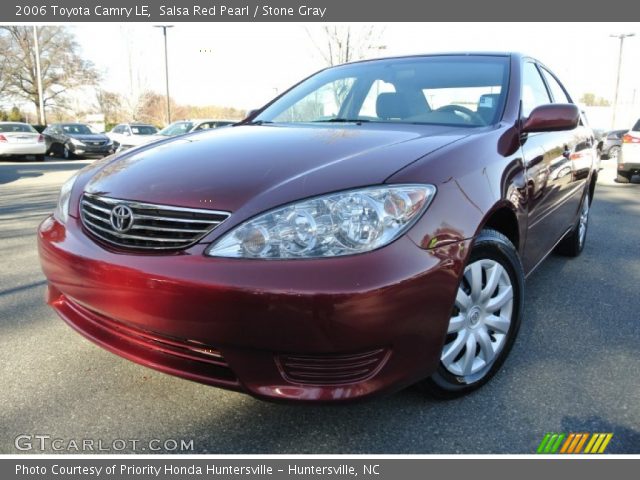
(76, 140)
(368, 230)
(612, 143)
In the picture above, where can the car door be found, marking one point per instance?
(547, 158)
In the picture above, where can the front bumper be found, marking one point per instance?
(314, 330)
(90, 150)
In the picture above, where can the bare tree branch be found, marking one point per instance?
(62, 67)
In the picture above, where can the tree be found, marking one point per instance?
(344, 43)
(62, 68)
(4, 64)
(590, 100)
(151, 109)
(110, 104)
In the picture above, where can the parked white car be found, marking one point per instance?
(127, 135)
(21, 139)
(182, 127)
(629, 159)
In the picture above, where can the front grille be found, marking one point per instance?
(151, 227)
(332, 369)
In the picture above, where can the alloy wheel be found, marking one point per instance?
(480, 321)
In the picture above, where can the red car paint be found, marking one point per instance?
(253, 325)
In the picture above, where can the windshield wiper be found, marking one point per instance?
(342, 120)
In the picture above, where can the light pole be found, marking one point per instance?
(621, 37)
(166, 68)
(38, 74)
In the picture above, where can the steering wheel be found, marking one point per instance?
(470, 114)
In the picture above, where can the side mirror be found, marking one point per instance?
(554, 117)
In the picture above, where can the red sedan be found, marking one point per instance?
(369, 229)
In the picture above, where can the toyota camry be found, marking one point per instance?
(369, 229)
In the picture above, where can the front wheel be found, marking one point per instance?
(485, 318)
(614, 153)
(66, 153)
(623, 177)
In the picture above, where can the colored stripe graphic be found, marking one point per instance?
(573, 443)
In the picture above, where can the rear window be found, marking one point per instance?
(16, 127)
(636, 127)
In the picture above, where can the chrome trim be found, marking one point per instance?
(93, 218)
(135, 204)
(137, 237)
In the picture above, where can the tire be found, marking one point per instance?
(66, 152)
(613, 153)
(623, 177)
(573, 244)
(493, 261)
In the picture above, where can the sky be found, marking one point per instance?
(245, 64)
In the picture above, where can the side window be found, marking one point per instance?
(559, 95)
(534, 92)
(205, 126)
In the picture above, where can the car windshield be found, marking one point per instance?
(16, 127)
(143, 130)
(636, 127)
(457, 90)
(77, 129)
(177, 128)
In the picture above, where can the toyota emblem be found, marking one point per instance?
(121, 218)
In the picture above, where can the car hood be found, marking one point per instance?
(256, 167)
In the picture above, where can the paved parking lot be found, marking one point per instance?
(573, 368)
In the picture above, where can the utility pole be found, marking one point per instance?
(166, 68)
(621, 37)
(39, 75)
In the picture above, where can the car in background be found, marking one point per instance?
(21, 139)
(629, 159)
(71, 140)
(333, 247)
(127, 135)
(182, 127)
(612, 143)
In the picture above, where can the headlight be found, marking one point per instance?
(62, 209)
(77, 142)
(342, 223)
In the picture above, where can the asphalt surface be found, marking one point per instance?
(574, 367)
